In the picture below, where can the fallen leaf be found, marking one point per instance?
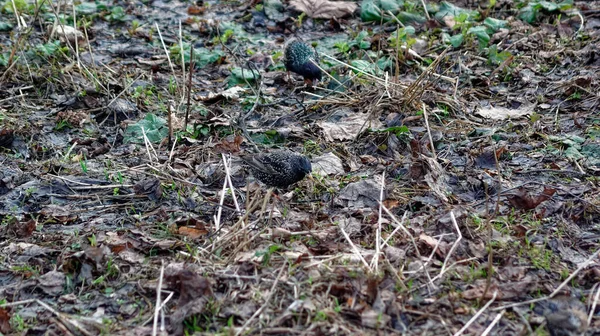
(227, 146)
(360, 194)
(4, 321)
(324, 9)
(508, 290)
(328, 164)
(348, 127)
(196, 10)
(150, 187)
(190, 232)
(20, 229)
(374, 319)
(59, 213)
(502, 113)
(52, 283)
(523, 200)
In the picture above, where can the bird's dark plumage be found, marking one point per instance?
(296, 58)
(279, 168)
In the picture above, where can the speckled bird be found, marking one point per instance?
(278, 168)
(296, 58)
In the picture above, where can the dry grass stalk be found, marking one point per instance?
(455, 245)
(494, 322)
(375, 260)
(559, 288)
(594, 303)
(429, 131)
(165, 49)
(355, 249)
(157, 303)
(267, 300)
(484, 308)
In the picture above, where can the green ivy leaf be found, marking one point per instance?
(86, 8)
(241, 76)
(496, 57)
(494, 24)
(447, 9)
(457, 40)
(5, 26)
(154, 127)
(481, 34)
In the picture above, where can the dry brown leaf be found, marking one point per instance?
(192, 233)
(324, 9)
(5, 327)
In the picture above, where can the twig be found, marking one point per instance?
(189, 88)
(76, 39)
(455, 245)
(165, 49)
(425, 10)
(259, 311)
(375, 260)
(429, 131)
(157, 305)
(464, 328)
(226, 164)
(594, 304)
(401, 226)
(217, 218)
(146, 143)
(496, 319)
(172, 151)
(328, 75)
(69, 151)
(182, 62)
(354, 248)
(17, 16)
(557, 290)
(359, 70)
(398, 227)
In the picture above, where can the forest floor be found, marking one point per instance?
(455, 153)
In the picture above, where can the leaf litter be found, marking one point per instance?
(454, 151)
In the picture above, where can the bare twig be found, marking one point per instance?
(189, 88)
(466, 326)
(455, 245)
(157, 305)
(354, 248)
(494, 322)
(267, 300)
(429, 131)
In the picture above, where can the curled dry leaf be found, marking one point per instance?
(523, 200)
(324, 9)
(348, 126)
(328, 164)
(5, 327)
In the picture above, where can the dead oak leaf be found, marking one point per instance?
(524, 200)
(324, 9)
(5, 327)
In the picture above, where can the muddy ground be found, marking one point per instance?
(455, 153)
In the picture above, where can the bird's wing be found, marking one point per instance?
(265, 164)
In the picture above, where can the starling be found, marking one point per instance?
(278, 169)
(297, 58)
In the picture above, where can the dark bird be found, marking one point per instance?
(279, 168)
(297, 58)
